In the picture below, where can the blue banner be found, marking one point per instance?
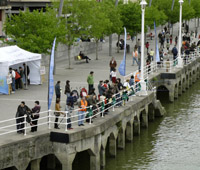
(3, 85)
(157, 50)
(122, 67)
(51, 80)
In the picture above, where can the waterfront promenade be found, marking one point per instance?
(77, 76)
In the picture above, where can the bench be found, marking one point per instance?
(77, 59)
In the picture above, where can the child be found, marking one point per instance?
(113, 75)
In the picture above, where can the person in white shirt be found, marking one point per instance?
(12, 72)
(113, 75)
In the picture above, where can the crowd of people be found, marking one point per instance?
(17, 78)
(89, 99)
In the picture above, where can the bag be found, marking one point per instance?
(79, 57)
(56, 113)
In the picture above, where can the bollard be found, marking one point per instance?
(102, 108)
(90, 114)
(113, 103)
(25, 125)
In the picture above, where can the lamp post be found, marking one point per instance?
(143, 4)
(180, 60)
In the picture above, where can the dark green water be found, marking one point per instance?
(170, 143)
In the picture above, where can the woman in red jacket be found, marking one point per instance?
(17, 79)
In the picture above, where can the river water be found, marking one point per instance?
(169, 143)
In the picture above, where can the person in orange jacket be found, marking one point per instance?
(82, 111)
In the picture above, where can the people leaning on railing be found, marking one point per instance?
(22, 110)
(57, 113)
(35, 116)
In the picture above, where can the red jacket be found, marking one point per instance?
(17, 76)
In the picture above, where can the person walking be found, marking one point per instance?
(83, 108)
(57, 113)
(171, 39)
(21, 111)
(135, 57)
(139, 46)
(176, 40)
(67, 88)
(147, 46)
(90, 81)
(35, 116)
(151, 54)
(57, 90)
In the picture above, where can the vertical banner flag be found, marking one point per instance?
(157, 51)
(51, 80)
(150, 1)
(122, 67)
(172, 5)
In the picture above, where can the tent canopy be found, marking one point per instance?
(13, 56)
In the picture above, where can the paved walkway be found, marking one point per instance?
(77, 77)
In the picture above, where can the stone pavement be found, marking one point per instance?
(77, 77)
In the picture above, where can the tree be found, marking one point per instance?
(188, 11)
(34, 31)
(113, 14)
(131, 17)
(153, 14)
(99, 21)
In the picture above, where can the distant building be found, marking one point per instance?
(9, 7)
(17, 5)
(4, 5)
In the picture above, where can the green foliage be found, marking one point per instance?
(196, 6)
(131, 17)
(100, 22)
(153, 14)
(188, 11)
(113, 14)
(34, 31)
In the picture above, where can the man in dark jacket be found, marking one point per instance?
(174, 52)
(67, 88)
(21, 111)
(57, 90)
(101, 88)
(35, 116)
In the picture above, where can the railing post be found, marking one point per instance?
(102, 108)
(114, 102)
(25, 125)
(66, 121)
(49, 119)
(90, 113)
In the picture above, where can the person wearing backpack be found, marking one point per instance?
(174, 52)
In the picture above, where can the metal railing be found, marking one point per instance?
(119, 99)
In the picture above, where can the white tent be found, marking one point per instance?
(13, 56)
